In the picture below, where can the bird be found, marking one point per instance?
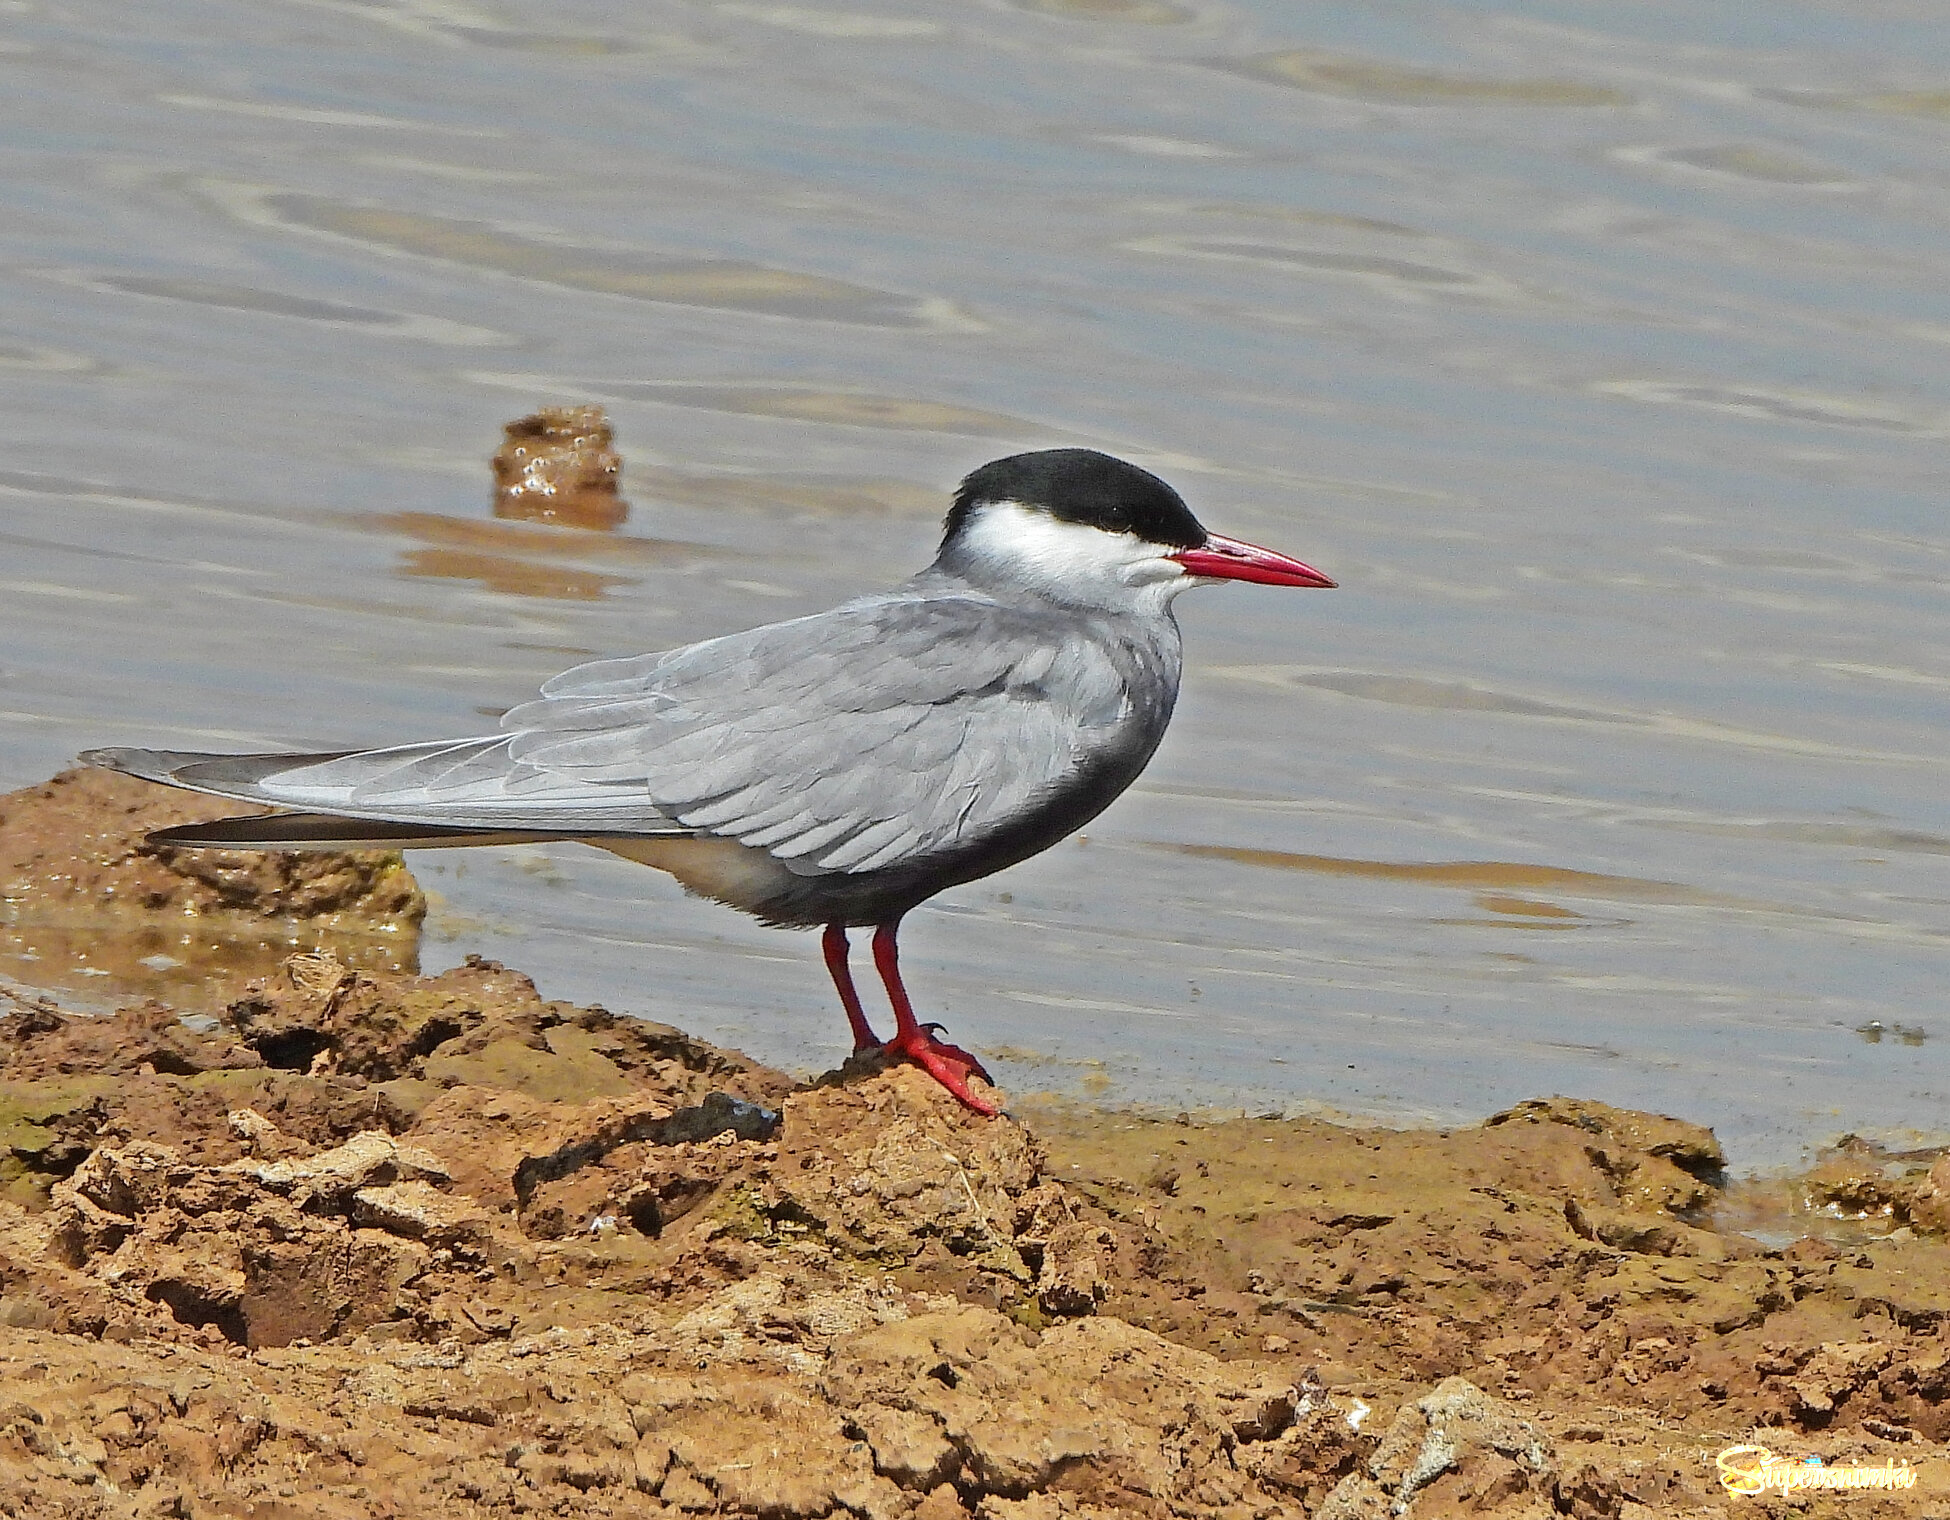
(828, 772)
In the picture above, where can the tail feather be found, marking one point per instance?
(324, 831)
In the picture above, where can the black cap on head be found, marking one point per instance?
(1082, 486)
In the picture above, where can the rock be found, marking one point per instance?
(86, 893)
(304, 1287)
(908, 1446)
(312, 1280)
(263, 1137)
(1110, 1413)
(328, 1179)
(1691, 1147)
(1357, 1498)
(1321, 1446)
(560, 465)
(418, 1211)
(1458, 1447)
(1857, 1179)
(942, 1503)
(254, 1249)
(882, 1169)
(481, 1025)
(41, 1043)
(767, 1318)
(1075, 1275)
(77, 840)
(1586, 1493)
(320, 1015)
(1653, 1163)
(129, 1180)
(1929, 1205)
(1837, 1371)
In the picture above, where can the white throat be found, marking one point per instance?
(1006, 544)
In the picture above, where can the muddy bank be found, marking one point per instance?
(375, 1244)
(365, 1243)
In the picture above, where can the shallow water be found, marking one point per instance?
(1602, 353)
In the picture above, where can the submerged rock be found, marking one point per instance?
(560, 465)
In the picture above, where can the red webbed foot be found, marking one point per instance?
(949, 1065)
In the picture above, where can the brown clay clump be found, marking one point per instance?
(560, 465)
(75, 844)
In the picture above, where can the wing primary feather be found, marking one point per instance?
(203, 771)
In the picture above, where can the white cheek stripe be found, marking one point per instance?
(1069, 561)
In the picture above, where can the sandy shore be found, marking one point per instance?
(355, 1242)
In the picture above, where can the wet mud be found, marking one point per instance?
(89, 907)
(362, 1242)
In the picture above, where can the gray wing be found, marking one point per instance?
(882, 731)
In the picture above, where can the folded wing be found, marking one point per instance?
(883, 731)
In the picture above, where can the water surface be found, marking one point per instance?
(1602, 353)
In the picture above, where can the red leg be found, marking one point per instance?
(835, 946)
(949, 1065)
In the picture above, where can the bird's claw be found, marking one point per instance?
(949, 1065)
(937, 1027)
